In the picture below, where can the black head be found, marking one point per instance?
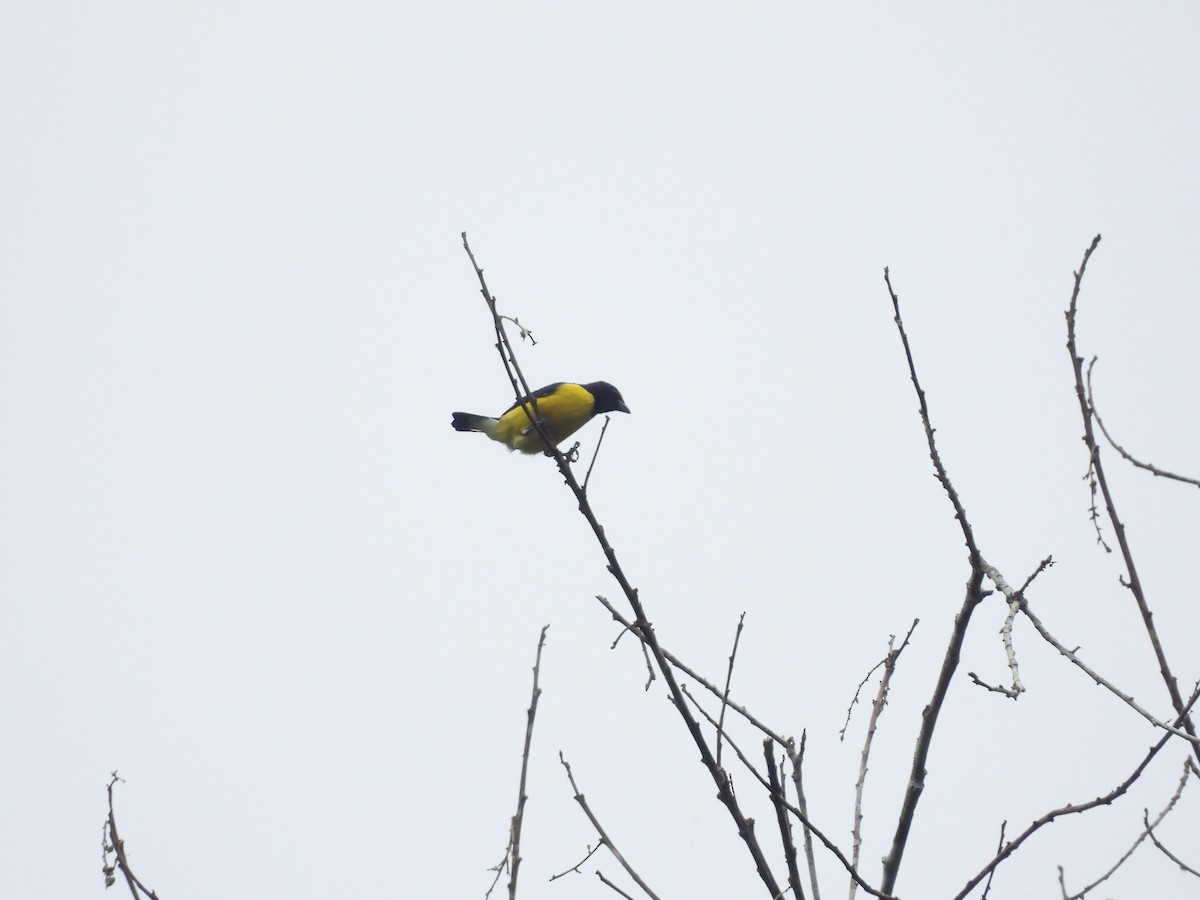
(608, 398)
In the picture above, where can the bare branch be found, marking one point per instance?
(1062, 882)
(1014, 606)
(762, 779)
(841, 857)
(604, 838)
(1094, 509)
(1072, 808)
(600, 440)
(645, 629)
(700, 679)
(508, 357)
(728, 680)
(973, 596)
(113, 844)
(1169, 855)
(1148, 832)
(604, 880)
(1134, 582)
(959, 512)
(518, 819)
(797, 760)
(796, 811)
(854, 700)
(1149, 467)
(499, 868)
(987, 888)
(781, 817)
(1073, 656)
(629, 629)
(889, 668)
(575, 868)
(1017, 599)
(525, 332)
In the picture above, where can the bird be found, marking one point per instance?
(564, 408)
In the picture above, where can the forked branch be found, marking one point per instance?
(1096, 463)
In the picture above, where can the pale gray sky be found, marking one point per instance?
(248, 563)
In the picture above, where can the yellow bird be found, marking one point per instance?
(563, 407)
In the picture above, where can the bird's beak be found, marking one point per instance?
(621, 407)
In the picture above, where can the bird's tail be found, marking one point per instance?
(467, 422)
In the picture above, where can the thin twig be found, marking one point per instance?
(728, 679)
(604, 838)
(650, 676)
(1018, 598)
(1171, 856)
(1014, 606)
(525, 332)
(1134, 582)
(600, 440)
(1149, 467)
(629, 629)
(697, 677)
(1094, 509)
(987, 888)
(499, 868)
(972, 597)
(889, 668)
(604, 880)
(575, 868)
(518, 818)
(1148, 832)
(1075, 659)
(854, 700)
(796, 758)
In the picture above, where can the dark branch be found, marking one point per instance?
(1096, 464)
(518, 818)
(115, 845)
(1125, 454)
(728, 680)
(781, 818)
(1071, 809)
(604, 838)
(974, 594)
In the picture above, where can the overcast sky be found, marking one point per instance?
(247, 563)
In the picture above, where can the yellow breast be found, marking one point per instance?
(565, 411)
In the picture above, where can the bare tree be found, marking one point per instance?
(709, 731)
(714, 719)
